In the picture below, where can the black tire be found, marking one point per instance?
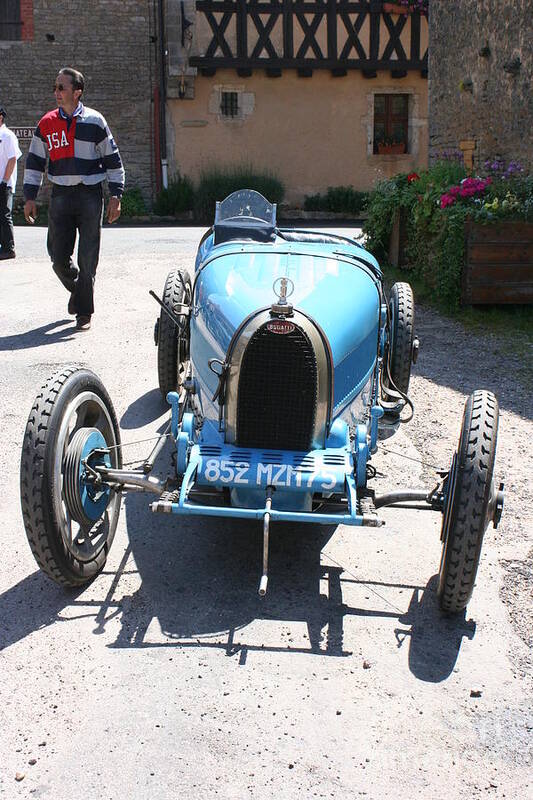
(402, 322)
(71, 400)
(173, 349)
(469, 501)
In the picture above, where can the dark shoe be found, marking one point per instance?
(7, 254)
(71, 306)
(83, 323)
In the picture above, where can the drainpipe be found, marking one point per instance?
(157, 140)
(162, 96)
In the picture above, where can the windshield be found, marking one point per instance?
(245, 203)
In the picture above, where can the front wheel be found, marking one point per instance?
(470, 501)
(402, 335)
(70, 524)
(172, 343)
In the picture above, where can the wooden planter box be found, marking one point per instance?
(498, 263)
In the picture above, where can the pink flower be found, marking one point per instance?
(469, 187)
(447, 200)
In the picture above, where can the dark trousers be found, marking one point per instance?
(76, 209)
(6, 220)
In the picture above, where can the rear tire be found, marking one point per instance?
(402, 313)
(469, 501)
(71, 402)
(173, 348)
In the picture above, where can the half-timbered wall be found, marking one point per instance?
(305, 75)
(291, 34)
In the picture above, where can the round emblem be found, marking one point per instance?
(280, 326)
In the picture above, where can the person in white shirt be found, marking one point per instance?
(9, 154)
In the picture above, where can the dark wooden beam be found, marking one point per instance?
(368, 65)
(305, 25)
(394, 45)
(263, 29)
(352, 41)
(288, 33)
(242, 30)
(218, 39)
(415, 37)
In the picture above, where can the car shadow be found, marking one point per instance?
(52, 333)
(35, 603)
(145, 409)
(199, 581)
(434, 638)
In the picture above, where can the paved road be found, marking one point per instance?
(168, 677)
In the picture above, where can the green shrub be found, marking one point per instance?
(381, 208)
(217, 183)
(132, 203)
(434, 207)
(178, 197)
(339, 199)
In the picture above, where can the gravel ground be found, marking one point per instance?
(168, 676)
(455, 363)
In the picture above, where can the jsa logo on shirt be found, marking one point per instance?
(56, 140)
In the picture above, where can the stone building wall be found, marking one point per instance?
(111, 44)
(480, 78)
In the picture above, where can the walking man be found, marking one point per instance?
(9, 155)
(81, 153)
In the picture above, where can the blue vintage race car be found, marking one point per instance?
(284, 362)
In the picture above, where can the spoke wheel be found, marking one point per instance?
(70, 525)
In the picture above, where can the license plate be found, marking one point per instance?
(226, 472)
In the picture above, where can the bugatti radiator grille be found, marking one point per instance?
(278, 389)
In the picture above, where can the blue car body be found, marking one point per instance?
(283, 391)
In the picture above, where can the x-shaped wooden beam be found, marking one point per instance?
(394, 44)
(353, 41)
(264, 30)
(309, 30)
(218, 29)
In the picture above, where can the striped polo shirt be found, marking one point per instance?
(79, 149)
